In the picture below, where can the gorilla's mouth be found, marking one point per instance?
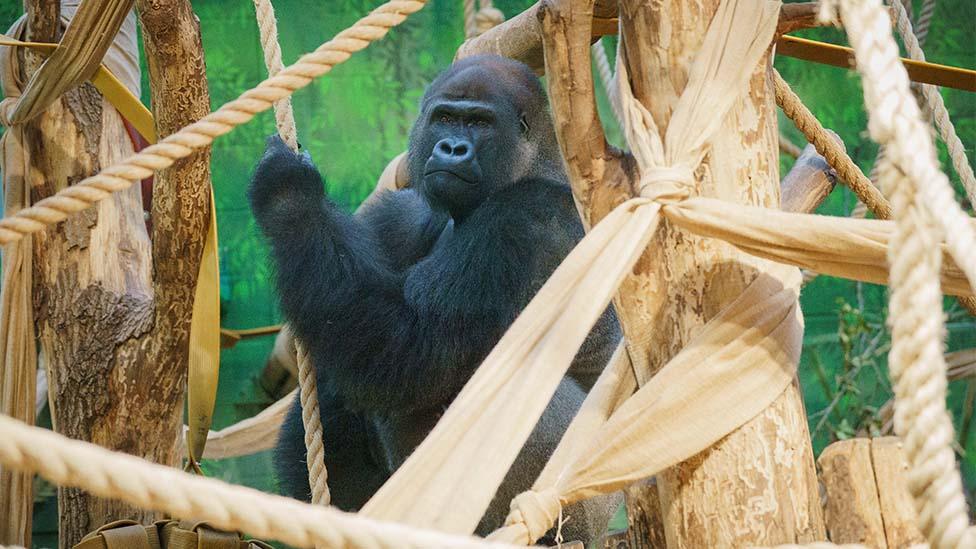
(455, 175)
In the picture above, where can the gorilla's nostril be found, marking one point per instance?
(460, 149)
(444, 147)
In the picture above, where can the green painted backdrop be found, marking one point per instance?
(357, 118)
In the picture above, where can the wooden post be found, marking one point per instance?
(808, 182)
(867, 497)
(92, 293)
(757, 486)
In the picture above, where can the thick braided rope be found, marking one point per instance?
(308, 396)
(181, 144)
(936, 105)
(115, 475)
(318, 475)
(825, 144)
(916, 362)
(268, 29)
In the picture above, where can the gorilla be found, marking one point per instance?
(399, 304)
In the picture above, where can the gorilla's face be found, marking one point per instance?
(472, 135)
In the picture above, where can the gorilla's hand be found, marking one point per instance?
(285, 183)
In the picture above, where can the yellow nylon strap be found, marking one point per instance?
(205, 325)
(117, 94)
(204, 344)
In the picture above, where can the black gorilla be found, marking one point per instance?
(398, 304)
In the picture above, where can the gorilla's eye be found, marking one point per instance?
(478, 123)
(446, 119)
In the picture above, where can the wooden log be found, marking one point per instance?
(897, 508)
(521, 36)
(808, 182)
(180, 206)
(93, 295)
(867, 497)
(852, 510)
(112, 381)
(280, 374)
(757, 486)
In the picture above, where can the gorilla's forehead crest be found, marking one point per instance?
(484, 77)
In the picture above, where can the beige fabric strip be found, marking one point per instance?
(449, 480)
(849, 248)
(751, 348)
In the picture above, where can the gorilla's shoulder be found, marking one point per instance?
(535, 197)
(536, 201)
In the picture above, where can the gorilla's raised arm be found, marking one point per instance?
(391, 338)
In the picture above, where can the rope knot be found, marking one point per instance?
(488, 18)
(667, 184)
(535, 511)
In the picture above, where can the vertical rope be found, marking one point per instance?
(308, 396)
(919, 193)
(268, 28)
(311, 418)
(924, 21)
(934, 102)
(470, 24)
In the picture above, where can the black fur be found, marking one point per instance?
(399, 304)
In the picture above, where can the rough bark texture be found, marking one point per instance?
(93, 300)
(114, 330)
(181, 205)
(853, 513)
(645, 529)
(757, 486)
(867, 498)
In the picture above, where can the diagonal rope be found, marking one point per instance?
(308, 396)
(120, 176)
(834, 154)
(114, 475)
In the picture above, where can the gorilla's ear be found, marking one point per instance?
(525, 123)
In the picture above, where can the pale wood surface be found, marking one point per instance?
(852, 510)
(897, 507)
(758, 485)
(808, 182)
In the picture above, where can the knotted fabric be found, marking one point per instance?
(449, 480)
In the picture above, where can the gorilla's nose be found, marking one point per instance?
(453, 151)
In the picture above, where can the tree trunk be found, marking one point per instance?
(757, 486)
(113, 329)
(93, 299)
(180, 204)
